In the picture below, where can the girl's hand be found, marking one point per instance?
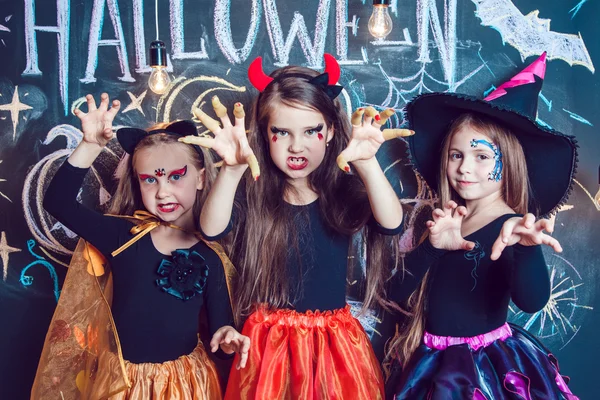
(445, 229)
(96, 124)
(526, 232)
(230, 141)
(231, 341)
(367, 136)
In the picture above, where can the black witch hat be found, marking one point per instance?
(551, 156)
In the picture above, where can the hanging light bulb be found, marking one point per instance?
(597, 196)
(380, 23)
(159, 78)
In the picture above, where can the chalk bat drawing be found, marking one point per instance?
(530, 34)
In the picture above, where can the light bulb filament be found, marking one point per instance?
(380, 23)
(159, 80)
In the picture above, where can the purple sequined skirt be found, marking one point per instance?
(507, 363)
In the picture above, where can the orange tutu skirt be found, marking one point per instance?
(312, 355)
(190, 377)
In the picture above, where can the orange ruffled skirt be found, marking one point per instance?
(312, 355)
(190, 377)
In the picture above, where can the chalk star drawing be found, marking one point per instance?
(5, 250)
(2, 194)
(15, 107)
(136, 102)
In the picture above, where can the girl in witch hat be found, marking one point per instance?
(162, 273)
(294, 231)
(491, 164)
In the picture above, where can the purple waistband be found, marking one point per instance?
(474, 342)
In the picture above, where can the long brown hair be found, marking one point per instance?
(267, 230)
(128, 197)
(515, 192)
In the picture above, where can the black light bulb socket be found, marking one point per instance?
(158, 54)
(381, 2)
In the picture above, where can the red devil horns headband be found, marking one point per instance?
(260, 80)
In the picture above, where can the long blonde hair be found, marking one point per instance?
(128, 198)
(515, 192)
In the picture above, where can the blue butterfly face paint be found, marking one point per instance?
(496, 174)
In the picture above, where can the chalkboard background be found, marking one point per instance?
(54, 52)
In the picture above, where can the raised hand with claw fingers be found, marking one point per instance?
(230, 141)
(367, 136)
(525, 231)
(96, 126)
(445, 228)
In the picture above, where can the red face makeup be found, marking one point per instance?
(161, 172)
(169, 183)
(181, 172)
(298, 137)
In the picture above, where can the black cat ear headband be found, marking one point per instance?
(130, 137)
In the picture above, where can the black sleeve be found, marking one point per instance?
(218, 306)
(219, 235)
(416, 263)
(530, 281)
(239, 202)
(60, 200)
(376, 226)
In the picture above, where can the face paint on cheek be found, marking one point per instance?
(159, 172)
(320, 136)
(496, 174)
(274, 138)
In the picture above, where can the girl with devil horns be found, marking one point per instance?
(294, 229)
